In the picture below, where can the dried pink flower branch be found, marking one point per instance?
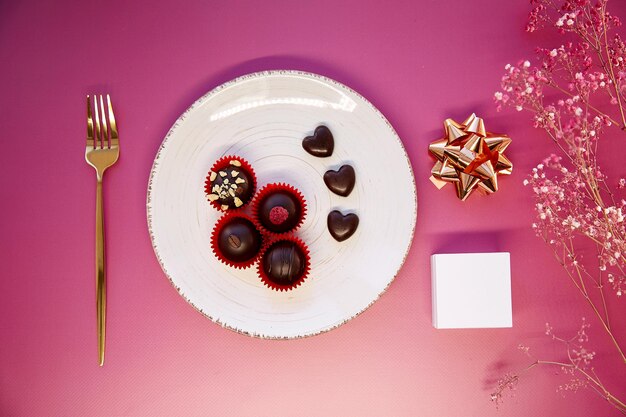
(578, 366)
(576, 204)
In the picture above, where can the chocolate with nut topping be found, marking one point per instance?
(231, 187)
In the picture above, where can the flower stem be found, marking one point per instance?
(610, 65)
(616, 402)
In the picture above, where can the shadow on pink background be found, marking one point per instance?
(418, 62)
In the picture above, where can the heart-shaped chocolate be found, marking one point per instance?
(342, 227)
(340, 182)
(321, 144)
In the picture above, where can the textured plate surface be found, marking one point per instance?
(263, 117)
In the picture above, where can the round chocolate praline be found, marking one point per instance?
(284, 263)
(231, 187)
(279, 212)
(239, 240)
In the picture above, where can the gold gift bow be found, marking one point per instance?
(470, 157)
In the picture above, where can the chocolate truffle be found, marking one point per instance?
(231, 186)
(239, 240)
(279, 211)
(284, 263)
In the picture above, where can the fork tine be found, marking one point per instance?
(98, 143)
(89, 124)
(105, 129)
(114, 137)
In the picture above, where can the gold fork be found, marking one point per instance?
(101, 152)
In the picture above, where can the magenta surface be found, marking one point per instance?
(418, 62)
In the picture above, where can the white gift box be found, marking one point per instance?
(471, 290)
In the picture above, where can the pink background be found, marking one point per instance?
(418, 62)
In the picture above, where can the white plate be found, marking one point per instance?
(263, 117)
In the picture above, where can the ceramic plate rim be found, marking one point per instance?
(202, 100)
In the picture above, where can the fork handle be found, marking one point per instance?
(101, 295)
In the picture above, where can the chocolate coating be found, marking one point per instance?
(284, 263)
(321, 144)
(341, 182)
(239, 240)
(231, 187)
(291, 214)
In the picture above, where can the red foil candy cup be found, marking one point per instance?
(225, 162)
(279, 247)
(229, 219)
(269, 221)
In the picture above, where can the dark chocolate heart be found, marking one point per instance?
(342, 227)
(321, 144)
(340, 182)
